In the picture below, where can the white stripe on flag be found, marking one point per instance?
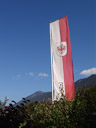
(57, 65)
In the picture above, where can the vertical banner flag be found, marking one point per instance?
(61, 60)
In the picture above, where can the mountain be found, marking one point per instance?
(39, 96)
(86, 82)
(43, 96)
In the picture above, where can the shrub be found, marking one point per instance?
(77, 113)
(12, 117)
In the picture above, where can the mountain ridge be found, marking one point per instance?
(85, 82)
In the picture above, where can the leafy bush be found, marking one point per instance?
(77, 113)
(12, 117)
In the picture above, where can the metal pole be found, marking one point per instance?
(51, 62)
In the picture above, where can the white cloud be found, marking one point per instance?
(43, 74)
(18, 76)
(88, 72)
(31, 73)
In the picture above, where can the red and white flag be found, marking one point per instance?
(61, 60)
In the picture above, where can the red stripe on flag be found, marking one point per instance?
(67, 59)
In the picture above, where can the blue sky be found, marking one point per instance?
(25, 43)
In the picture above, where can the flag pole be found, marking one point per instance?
(51, 61)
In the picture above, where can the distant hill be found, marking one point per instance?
(39, 96)
(86, 82)
(43, 96)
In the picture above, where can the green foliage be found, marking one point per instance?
(77, 113)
